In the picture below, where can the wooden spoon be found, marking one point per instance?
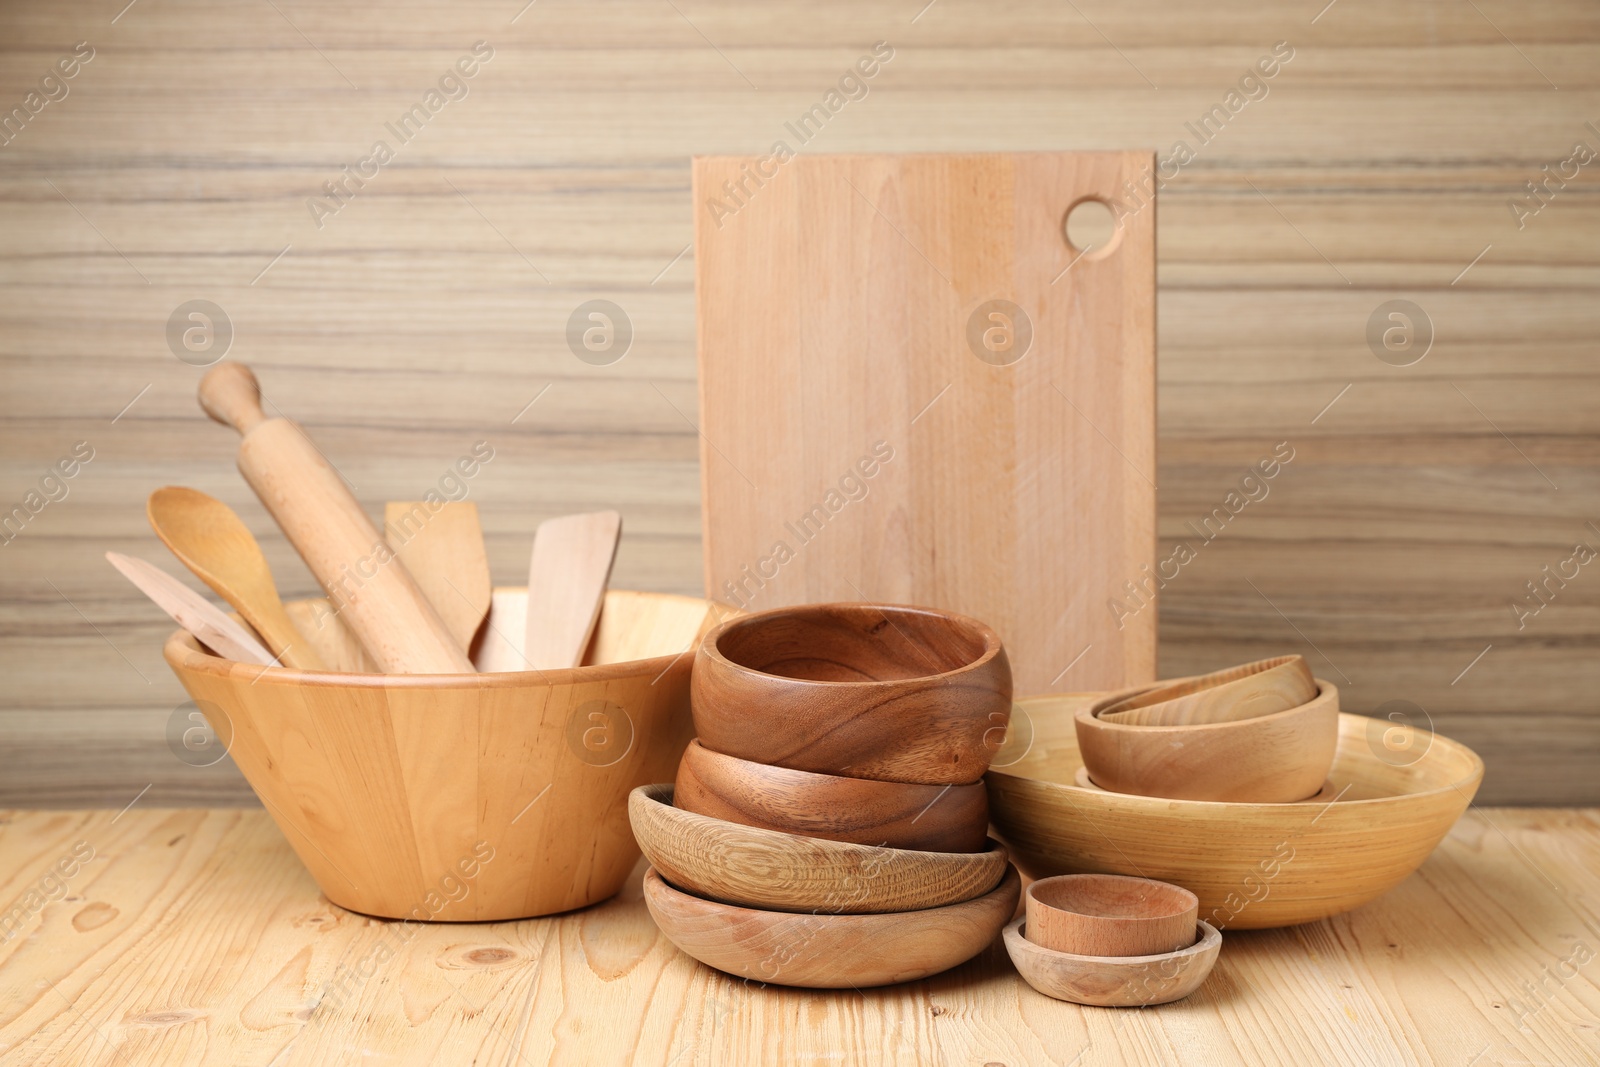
(192, 611)
(572, 558)
(212, 542)
(442, 547)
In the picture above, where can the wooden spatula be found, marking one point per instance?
(214, 543)
(192, 611)
(572, 559)
(443, 550)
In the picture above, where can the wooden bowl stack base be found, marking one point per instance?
(837, 772)
(1112, 941)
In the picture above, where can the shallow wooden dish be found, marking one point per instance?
(1243, 692)
(1277, 758)
(1251, 865)
(1110, 915)
(931, 818)
(776, 871)
(462, 797)
(830, 951)
(1114, 981)
(894, 693)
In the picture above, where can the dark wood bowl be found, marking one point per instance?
(897, 694)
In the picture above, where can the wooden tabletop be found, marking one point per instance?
(195, 936)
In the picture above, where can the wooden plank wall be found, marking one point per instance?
(427, 313)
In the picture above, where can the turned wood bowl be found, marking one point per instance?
(1243, 692)
(899, 694)
(464, 797)
(1110, 915)
(1252, 865)
(1277, 758)
(1114, 981)
(930, 818)
(830, 951)
(1081, 779)
(775, 871)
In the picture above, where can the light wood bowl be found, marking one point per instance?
(393, 789)
(1110, 915)
(775, 871)
(1277, 758)
(830, 951)
(1251, 865)
(1081, 779)
(898, 694)
(1242, 692)
(1114, 981)
(931, 818)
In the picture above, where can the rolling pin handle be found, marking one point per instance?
(230, 394)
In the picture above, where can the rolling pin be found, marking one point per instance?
(366, 583)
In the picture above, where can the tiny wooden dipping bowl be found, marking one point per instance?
(1243, 692)
(1114, 981)
(899, 694)
(1270, 759)
(1110, 915)
(775, 871)
(931, 818)
(830, 951)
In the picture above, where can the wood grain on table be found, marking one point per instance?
(195, 937)
(432, 309)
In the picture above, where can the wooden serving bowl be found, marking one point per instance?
(775, 871)
(1114, 981)
(830, 951)
(899, 694)
(1110, 915)
(463, 797)
(1251, 865)
(1277, 758)
(931, 818)
(1081, 779)
(1242, 692)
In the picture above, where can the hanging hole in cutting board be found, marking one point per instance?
(1091, 229)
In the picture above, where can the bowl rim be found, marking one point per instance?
(1088, 717)
(709, 650)
(1190, 901)
(1207, 936)
(748, 769)
(865, 920)
(1218, 808)
(183, 652)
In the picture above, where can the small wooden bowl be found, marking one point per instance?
(1110, 915)
(830, 951)
(775, 871)
(1081, 779)
(1114, 981)
(1245, 692)
(1253, 866)
(898, 694)
(931, 818)
(1278, 758)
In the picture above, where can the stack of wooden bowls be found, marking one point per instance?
(828, 827)
(1263, 733)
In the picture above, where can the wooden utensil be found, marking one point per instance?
(192, 611)
(212, 541)
(950, 818)
(1113, 981)
(1243, 692)
(367, 585)
(1110, 915)
(572, 558)
(876, 691)
(1253, 866)
(442, 546)
(321, 625)
(515, 785)
(1278, 758)
(868, 306)
(829, 951)
(775, 871)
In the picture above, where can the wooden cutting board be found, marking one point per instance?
(867, 429)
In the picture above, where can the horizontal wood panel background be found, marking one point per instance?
(432, 308)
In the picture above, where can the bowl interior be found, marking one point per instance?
(1110, 896)
(852, 643)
